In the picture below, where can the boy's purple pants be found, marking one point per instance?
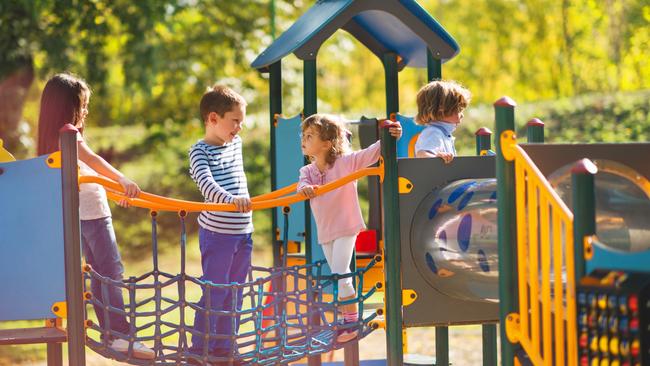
(225, 258)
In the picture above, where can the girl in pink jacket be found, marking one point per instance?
(337, 213)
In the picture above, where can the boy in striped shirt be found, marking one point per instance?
(216, 165)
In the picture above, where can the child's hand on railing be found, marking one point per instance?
(447, 157)
(131, 189)
(309, 191)
(395, 130)
(242, 203)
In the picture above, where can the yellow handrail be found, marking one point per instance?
(545, 324)
(268, 200)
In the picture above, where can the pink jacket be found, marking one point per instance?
(337, 213)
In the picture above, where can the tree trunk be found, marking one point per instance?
(568, 48)
(616, 12)
(13, 92)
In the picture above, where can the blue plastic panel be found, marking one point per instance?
(31, 239)
(289, 160)
(606, 258)
(410, 133)
(395, 35)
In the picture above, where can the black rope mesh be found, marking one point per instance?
(277, 324)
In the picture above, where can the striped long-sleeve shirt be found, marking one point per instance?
(219, 173)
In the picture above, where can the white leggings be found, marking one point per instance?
(338, 253)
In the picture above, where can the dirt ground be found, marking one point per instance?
(465, 347)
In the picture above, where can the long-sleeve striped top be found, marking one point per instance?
(219, 173)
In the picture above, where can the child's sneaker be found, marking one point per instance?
(139, 350)
(346, 335)
(350, 332)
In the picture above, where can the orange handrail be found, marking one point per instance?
(277, 193)
(268, 200)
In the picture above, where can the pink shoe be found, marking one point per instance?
(346, 335)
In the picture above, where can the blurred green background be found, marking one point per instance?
(582, 66)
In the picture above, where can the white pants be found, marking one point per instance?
(338, 253)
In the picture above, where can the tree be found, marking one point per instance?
(139, 57)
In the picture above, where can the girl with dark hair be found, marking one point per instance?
(65, 100)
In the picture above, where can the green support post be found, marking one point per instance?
(584, 210)
(483, 140)
(504, 109)
(275, 101)
(54, 354)
(535, 131)
(309, 108)
(72, 247)
(434, 72)
(393, 274)
(434, 66)
(489, 344)
(442, 346)
(483, 143)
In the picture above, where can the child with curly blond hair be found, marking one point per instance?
(337, 213)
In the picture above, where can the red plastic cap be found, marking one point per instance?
(505, 102)
(68, 127)
(584, 166)
(535, 122)
(483, 131)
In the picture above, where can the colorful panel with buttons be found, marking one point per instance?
(613, 318)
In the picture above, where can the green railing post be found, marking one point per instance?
(434, 66)
(72, 247)
(275, 100)
(309, 108)
(584, 210)
(483, 143)
(535, 130)
(483, 140)
(393, 274)
(504, 110)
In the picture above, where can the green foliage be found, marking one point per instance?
(613, 118)
(149, 62)
(620, 117)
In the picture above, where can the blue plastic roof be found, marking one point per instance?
(400, 26)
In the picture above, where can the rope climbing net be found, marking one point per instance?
(286, 314)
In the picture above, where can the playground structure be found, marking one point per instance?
(417, 264)
(578, 287)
